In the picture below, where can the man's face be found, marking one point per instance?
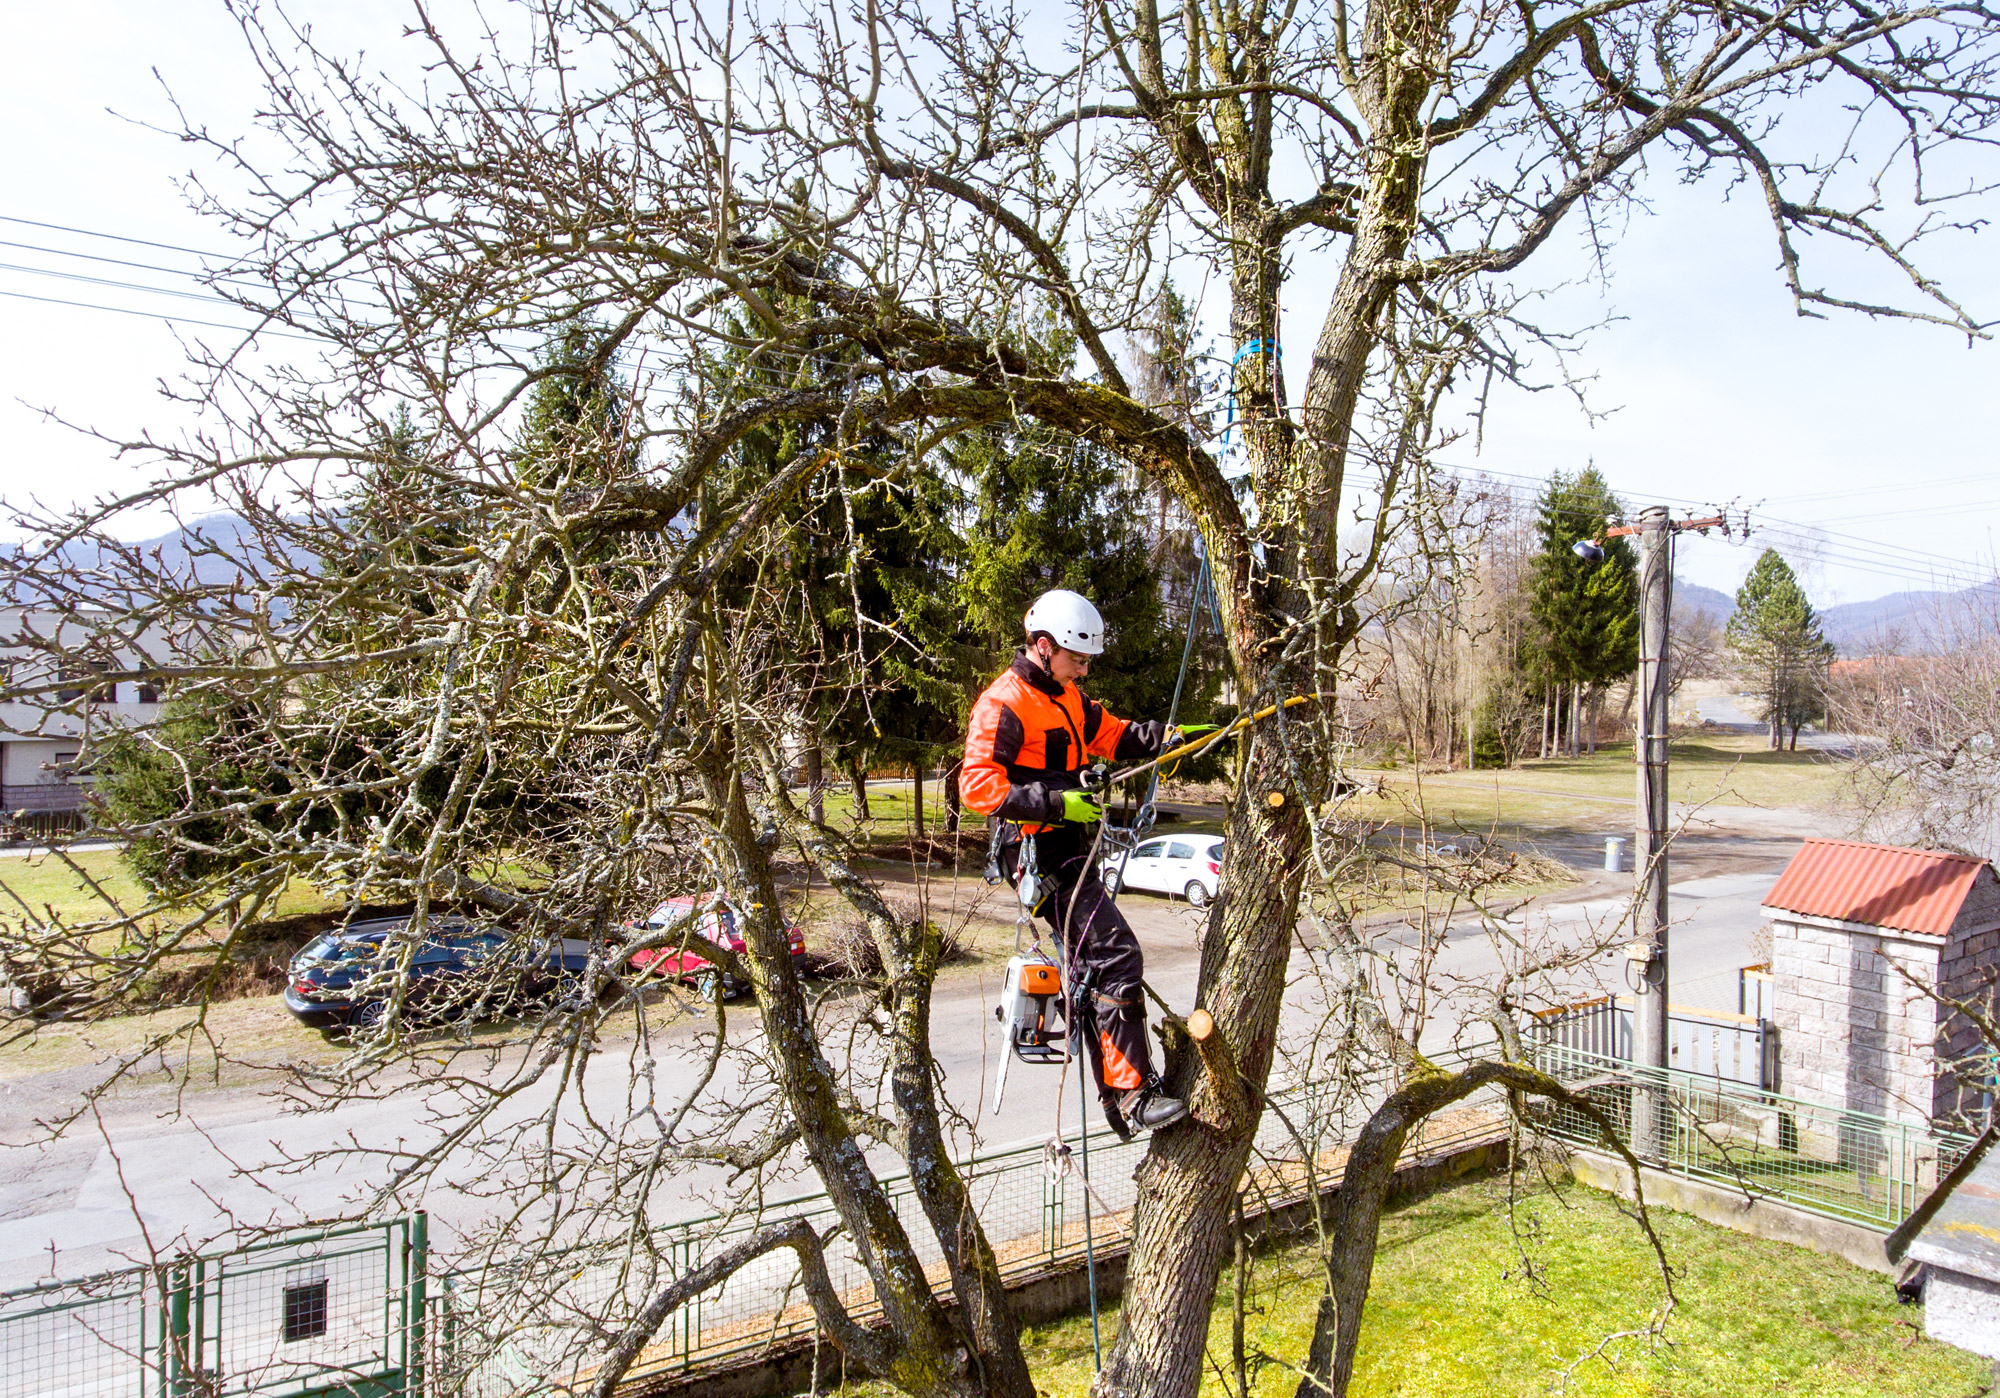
(1066, 666)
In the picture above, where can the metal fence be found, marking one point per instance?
(543, 1327)
(1714, 1043)
(1825, 1160)
(334, 1310)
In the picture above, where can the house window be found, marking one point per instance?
(305, 1309)
(149, 694)
(65, 764)
(75, 686)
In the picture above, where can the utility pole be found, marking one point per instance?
(1649, 865)
(1647, 952)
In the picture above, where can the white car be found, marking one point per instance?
(1190, 865)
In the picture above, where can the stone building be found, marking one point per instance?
(1859, 934)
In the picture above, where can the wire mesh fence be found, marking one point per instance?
(1826, 1160)
(1031, 1201)
(332, 1310)
(350, 1309)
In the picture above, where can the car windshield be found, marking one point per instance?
(333, 949)
(670, 913)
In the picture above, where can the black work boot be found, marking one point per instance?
(1115, 1119)
(1150, 1108)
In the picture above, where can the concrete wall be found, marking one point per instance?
(1964, 1310)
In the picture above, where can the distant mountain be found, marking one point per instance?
(213, 551)
(1906, 623)
(1693, 597)
(1909, 622)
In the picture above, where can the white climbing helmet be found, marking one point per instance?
(1069, 617)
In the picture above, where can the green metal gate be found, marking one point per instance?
(336, 1311)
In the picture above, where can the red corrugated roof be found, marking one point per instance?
(1911, 890)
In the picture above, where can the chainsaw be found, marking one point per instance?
(1031, 1013)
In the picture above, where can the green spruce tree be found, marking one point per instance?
(1584, 616)
(1779, 647)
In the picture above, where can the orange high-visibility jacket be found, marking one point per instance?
(1029, 738)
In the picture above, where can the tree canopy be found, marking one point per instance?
(1779, 647)
(900, 193)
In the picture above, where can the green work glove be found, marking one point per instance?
(1192, 732)
(1080, 807)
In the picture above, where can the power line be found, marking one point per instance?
(210, 298)
(169, 319)
(116, 238)
(1894, 562)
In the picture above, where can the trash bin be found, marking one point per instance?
(1614, 854)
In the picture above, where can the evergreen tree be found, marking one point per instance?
(1584, 616)
(574, 431)
(1779, 647)
(1051, 512)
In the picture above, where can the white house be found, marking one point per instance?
(43, 733)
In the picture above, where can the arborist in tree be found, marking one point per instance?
(1033, 733)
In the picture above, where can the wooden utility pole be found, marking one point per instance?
(1648, 950)
(1650, 1124)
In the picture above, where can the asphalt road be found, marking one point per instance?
(95, 1198)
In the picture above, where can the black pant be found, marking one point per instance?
(1099, 951)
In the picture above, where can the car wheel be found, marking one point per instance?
(708, 985)
(1112, 882)
(369, 1015)
(1197, 895)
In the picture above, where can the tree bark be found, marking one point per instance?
(954, 805)
(1188, 1181)
(1352, 1224)
(857, 776)
(916, 802)
(813, 766)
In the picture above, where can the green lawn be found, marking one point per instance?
(1727, 770)
(1453, 1314)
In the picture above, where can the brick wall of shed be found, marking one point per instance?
(1851, 1032)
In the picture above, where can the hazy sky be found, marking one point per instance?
(1878, 436)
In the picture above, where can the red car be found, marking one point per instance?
(719, 921)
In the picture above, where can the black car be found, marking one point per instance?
(346, 979)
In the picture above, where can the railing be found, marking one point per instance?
(1712, 1043)
(336, 1310)
(1842, 1164)
(1033, 1216)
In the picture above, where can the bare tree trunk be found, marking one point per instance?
(954, 805)
(916, 801)
(1189, 1179)
(1545, 721)
(857, 775)
(813, 765)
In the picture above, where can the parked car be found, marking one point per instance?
(345, 979)
(720, 921)
(1190, 865)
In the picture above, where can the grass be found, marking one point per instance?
(47, 884)
(1728, 770)
(1453, 1313)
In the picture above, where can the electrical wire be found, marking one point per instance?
(252, 331)
(1877, 557)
